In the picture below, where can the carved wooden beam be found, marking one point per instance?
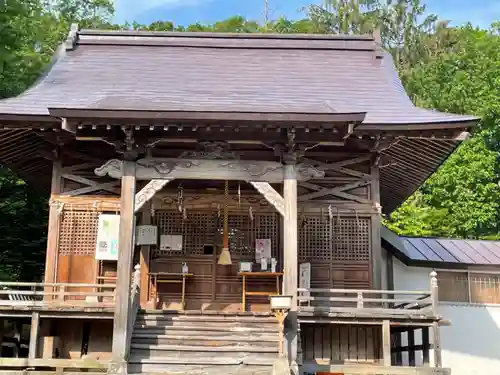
(339, 191)
(271, 195)
(77, 167)
(91, 184)
(148, 192)
(340, 166)
(198, 169)
(89, 189)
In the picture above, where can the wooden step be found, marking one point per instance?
(204, 360)
(193, 369)
(214, 323)
(200, 328)
(186, 339)
(207, 335)
(232, 348)
(208, 318)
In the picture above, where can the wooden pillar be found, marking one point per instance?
(290, 262)
(435, 325)
(290, 235)
(144, 262)
(35, 328)
(376, 250)
(124, 268)
(53, 228)
(386, 343)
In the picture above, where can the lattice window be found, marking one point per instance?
(352, 239)
(205, 228)
(344, 239)
(314, 238)
(78, 232)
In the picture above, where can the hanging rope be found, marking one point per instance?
(225, 230)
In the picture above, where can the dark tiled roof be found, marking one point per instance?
(421, 250)
(225, 73)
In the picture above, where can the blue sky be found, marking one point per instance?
(184, 12)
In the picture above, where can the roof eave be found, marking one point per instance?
(74, 113)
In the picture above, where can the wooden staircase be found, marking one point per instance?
(211, 344)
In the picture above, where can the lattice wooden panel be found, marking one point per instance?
(199, 229)
(205, 228)
(344, 239)
(78, 232)
(244, 231)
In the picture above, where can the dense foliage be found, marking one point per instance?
(450, 69)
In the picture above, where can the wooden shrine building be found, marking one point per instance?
(195, 177)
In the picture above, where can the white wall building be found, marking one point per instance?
(469, 294)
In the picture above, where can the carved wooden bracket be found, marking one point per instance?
(148, 192)
(271, 195)
(242, 170)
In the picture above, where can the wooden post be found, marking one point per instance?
(144, 263)
(53, 230)
(376, 250)
(124, 268)
(35, 327)
(435, 325)
(290, 277)
(425, 346)
(411, 347)
(386, 343)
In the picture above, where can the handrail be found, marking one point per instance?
(44, 285)
(40, 294)
(135, 290)
(403, 302)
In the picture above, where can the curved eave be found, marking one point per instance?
(179, 116)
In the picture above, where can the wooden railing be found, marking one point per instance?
(374, 302)
(50, 294)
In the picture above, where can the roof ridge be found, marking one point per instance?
(223, 35)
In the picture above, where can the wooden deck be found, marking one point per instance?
(355, 369)
(57, 300)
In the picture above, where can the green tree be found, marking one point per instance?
(30, 32)
(463, 78)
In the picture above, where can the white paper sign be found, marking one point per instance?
(147, 235)
(305, 277)
(262, 249)
(171, 242)
(107, 237)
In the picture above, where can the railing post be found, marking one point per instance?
(136, 280)
(435, 324)
(360, 300)
(62, 290)
(386, 343)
